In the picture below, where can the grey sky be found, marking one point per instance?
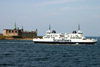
(63, 15)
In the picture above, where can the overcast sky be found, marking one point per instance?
(63, 15)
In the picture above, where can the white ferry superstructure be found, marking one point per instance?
(64, 38)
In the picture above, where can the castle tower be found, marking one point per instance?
(36, 30)
(22, 29)
(15, 25)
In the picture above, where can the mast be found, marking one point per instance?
(79, 31)
(79, 27)
(49, 27)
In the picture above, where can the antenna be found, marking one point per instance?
(49, 27)
(78, 26)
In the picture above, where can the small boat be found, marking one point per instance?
(65, 38)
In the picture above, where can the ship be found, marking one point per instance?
(76, 37)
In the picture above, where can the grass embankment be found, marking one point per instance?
(5, 37)
(13, 38)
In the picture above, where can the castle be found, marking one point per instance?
(19, 33)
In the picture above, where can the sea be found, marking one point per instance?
(24, 53)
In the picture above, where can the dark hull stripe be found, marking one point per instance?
(66, 42)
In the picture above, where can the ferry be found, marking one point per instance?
(52, 37)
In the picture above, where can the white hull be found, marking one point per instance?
(88, 41)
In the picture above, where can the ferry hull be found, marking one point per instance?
(64, 42)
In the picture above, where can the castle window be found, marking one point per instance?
(12, 31)
(7, 31)
(15, 31)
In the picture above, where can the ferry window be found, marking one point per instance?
(51, 35)
(56, 36)
(48, 35)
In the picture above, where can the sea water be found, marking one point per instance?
(24, 53)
